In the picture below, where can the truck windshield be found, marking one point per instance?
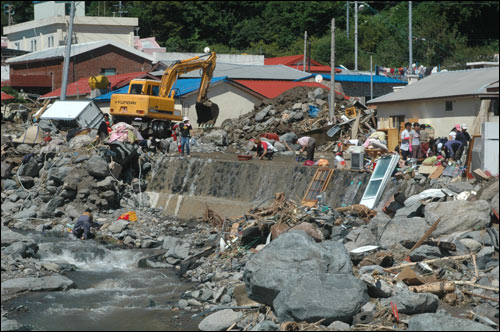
(136, 89)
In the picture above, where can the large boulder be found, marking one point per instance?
(457, 216)
(218, 137)
(220, 320)
(326, 296)
(53, 283)
(489, 190)
(413, 303)
(400, 229)
(48, 210)
(440, 322)
(21, 249)
(97, 167)
(118, 226)
(285, 259)
(9, 237)
(259, 117)
(176, 247)
(31, 212)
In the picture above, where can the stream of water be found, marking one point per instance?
(112, 292)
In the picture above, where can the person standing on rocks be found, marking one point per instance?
(415, 140)
(185, 135)
(406, 147)
(81, 230)
(104, 128)
(308, 143)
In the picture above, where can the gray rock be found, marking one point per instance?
(8, 184)
(339, 326)
(280, 147)
(285, 259)
(439, 322)
(8, 207)
(206, 295)
(106, 184)
(26, 213)
(225, 299)
(177, 248)
(298, 116)
(425, 252)
(52, 283)
(413, 303)
(182, 304)
(369, 307)
(118, 226)
(377, 288)
(259, 117)
(471, 244)
(370, 268)
(401, 229)
(288, 137)
(314, 297)
(460, 186)
(31, 168)
(457, 216)
(218, 137)
(494, 203)
(319, 93)
(27, 181)
(58, 174)
(266, 325)
(361, 237)
(489, 191)
(6, 170)
(485, 258)
(219, 320)
(9, 237)
(97, 167)
(21, 249)
(48, 210)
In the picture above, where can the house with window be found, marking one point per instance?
(49, 28)
(42, 71)
(444, 99)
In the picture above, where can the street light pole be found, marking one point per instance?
(305, 50)
(347, 14)
(67, 52)
(332, 76)
(355, 35)
(410, 50)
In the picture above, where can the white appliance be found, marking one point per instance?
(489, 153)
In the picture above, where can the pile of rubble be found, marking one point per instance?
(299, 111)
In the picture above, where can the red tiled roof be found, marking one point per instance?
(29, 81)
(293, 60)
(81, 87)
(289, 60)
(6, 96)
(272, 89)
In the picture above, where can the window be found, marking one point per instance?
(494, 107)
(156, 91)
(17, 46)
(50, 41)
(136, 89)
(381, 175)
(33, 45)
(67, 8)
(449, 106)
(108, 71)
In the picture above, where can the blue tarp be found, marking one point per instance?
(183, 85)
(360, 78)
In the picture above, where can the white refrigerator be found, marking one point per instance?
(490, 152)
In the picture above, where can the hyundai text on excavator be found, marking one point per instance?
(149, 104)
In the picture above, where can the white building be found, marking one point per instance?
(50, 26)
(444, 99)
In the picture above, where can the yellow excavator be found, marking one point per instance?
(149, 104)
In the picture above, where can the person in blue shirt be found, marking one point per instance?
(81, 230)
(451, 148)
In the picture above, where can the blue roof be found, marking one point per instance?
(183, 85)
(360, 78)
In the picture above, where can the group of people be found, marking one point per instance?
(265, 149)
(416, 143)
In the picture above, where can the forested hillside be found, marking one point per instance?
(446, 33)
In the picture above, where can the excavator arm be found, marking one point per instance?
(206, 110)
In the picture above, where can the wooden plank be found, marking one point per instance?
(427, 169)
(437, 173)
(355, 127)
(319, 183)
(469, 154)
(426, 235)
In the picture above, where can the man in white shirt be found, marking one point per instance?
(308, 143)
(415, 140)
(406, 147)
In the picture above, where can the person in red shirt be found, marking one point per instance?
(175, 134)
(264, 149)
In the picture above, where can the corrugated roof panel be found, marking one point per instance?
(444, 84)
(362, 78)
(272, 89)
(249, 72)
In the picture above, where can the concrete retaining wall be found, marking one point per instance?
(184, 187)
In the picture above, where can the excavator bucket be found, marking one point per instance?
(207, 113)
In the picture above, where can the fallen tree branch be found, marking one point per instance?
(469, 283)
(480, 296)
(453, 258)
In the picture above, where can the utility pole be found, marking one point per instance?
(67, 52)
(410, 51)
(371, 77)
(347, 14)
(355, 35)
(305, 51)
(332, 76)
